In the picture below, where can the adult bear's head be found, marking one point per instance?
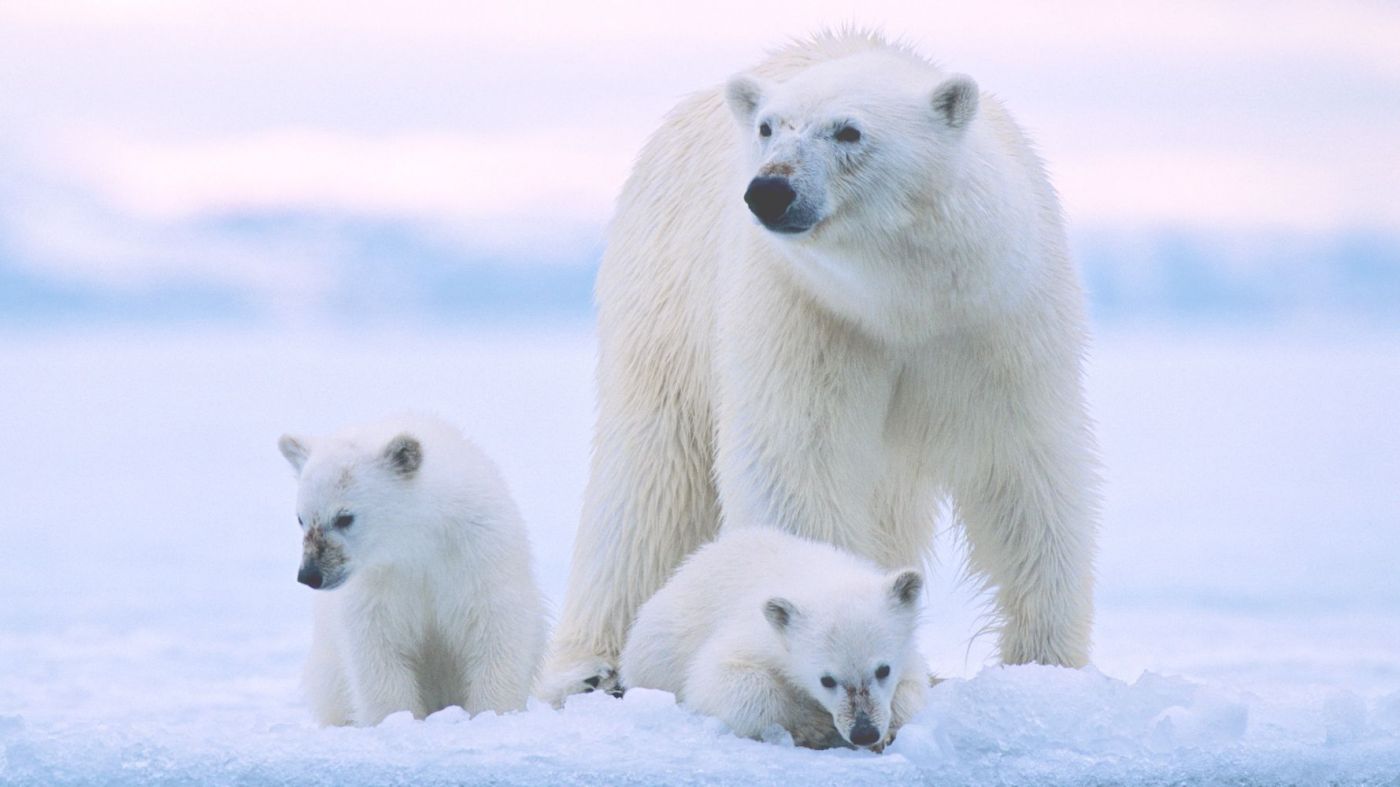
(852, 149)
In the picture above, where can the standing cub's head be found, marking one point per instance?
(848, 649)
(351, 503)
(850, 149)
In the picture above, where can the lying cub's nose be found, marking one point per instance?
(309, 576)
(769, 198)
(864, 733)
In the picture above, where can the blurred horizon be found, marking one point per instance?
(264, 164)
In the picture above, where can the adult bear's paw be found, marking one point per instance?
(558, 685)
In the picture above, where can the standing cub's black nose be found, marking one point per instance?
(769, 198)
(310, 576)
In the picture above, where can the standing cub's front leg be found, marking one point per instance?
(324, 678)
(382, 681)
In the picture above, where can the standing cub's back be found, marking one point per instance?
(426, 596)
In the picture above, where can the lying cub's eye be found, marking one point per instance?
(848, 134)
(828, 681)
(343, 521)
(882, 672)
(765, 130)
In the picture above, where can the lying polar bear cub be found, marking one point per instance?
(762, 627)
(427, 599)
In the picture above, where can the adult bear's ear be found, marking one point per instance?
(294, 450)
(404, 454)
(780, 613)
(955, 100)
(743, 94)
(905, 587)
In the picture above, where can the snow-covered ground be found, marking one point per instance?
(151, 630)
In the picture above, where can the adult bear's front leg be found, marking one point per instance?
(802, 406)
(650, 502)
(1027, 493)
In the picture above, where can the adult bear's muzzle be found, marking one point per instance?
(769, 198)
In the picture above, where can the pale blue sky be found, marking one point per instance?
(133, 131)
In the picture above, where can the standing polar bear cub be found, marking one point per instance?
(762, 628)
(423, 566)
(836, 294)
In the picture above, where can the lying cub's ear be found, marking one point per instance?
(780, 613)
(743, 94)
(404, 454)
(295, 451)
(955, 100)
(905, 587)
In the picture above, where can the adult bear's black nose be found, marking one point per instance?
(769, 198)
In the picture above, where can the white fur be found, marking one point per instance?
(922, 342)
(708, 635)
(438, 606)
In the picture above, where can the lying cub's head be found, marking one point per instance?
(848, 650)
(351, 501)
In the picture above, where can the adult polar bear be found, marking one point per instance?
(901, 324)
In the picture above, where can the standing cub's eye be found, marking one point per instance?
(343, 521)
(828, 681)
(848, 134)
(765, 130)
(882, 672)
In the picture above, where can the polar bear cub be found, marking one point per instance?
(763, 628)
(423, 566)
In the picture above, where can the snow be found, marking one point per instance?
(151, 631)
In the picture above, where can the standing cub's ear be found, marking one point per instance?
(295, 451)
(404, 454)
(955, 101)
(743, 95)
(780, 613)
(904, 588)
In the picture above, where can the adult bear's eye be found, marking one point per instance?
(828, 681)
(848, 134)
(882, 672)
(765, 130)
(343, 521)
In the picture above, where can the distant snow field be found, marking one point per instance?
(151, 629)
